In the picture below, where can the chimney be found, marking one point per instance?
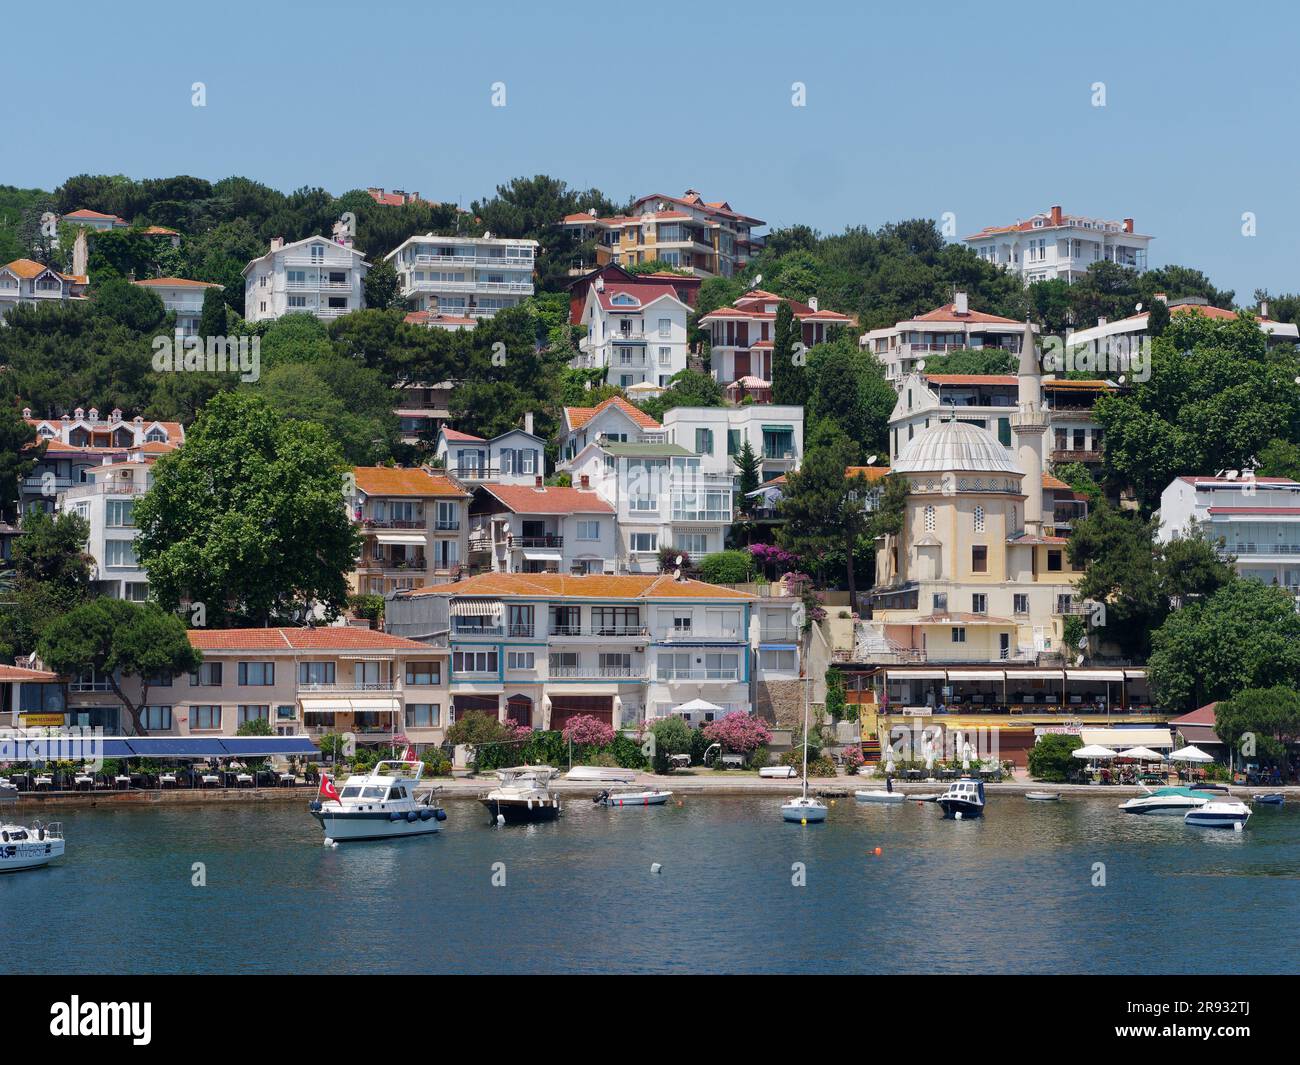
(1263, 308)
(277, 243)
(537, 481)
(584, 482)
(1101, 321)
(960, 304)
(812, 302)
(528, 423)
(27, 412)
(1056, 215)
(1128, 225)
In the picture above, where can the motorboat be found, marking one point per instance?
(1206, 785)
(885, 794)
(778, 772)
(1042, 796)
(1230, 814)
(804, 810)
(964, 799)
(381, 804)
(523, 795)
(8, 791)
(29, 846)
(632, 798)
(1270, 798)
(599, 774)
(1171, 800)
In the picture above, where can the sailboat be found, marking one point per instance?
(805, 810)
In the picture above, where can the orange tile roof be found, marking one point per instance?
(17, 673)
(871, 473)
(334, 638)
(27, 268)
(999, 379)
(580, 416)
(525, 499)
(160, 231)
(1079, 385)
(948, 313)
(1050, 481)
(88, 214)
(588, 586)
(175, 282)
(405, 481)
(456, 434)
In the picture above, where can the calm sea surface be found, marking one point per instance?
(1011, 893)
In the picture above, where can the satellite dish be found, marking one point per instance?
(1083, 643)
(1230, 475)
(872, 460)
(920, 365)
(758, 280)
(678, 560)
(1122, 379)
(1138, 308)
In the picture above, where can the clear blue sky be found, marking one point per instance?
(913, 109)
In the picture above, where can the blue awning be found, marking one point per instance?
(176, 747)
(67, 748)
(261, 746)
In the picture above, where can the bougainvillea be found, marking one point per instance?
(738, 732)
(770, 557)
(588, 730)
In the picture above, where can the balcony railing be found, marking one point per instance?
(698, 674)
(514, 542)
(500, 261)
(1065, 454)
(710, 633)
(778, 634)
(476, 630)
(475, 473)
(348, 686)
(392, 523)
(608, 631)
(447, 524)
(599, 672)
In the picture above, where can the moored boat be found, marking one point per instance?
(885, 794)
(523, 796)
(1270, 798)
(964, 799)
(29, 846)
(1042, 796)
(1171, 800)
(1231, 814)
(381, 804)
(632, 798)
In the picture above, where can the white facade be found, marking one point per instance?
(540, 529)
(316, 276)
(614, 420)
(1258, 520)
(1119, 338)
(464, 277)
(717, 435)
(515, 457)
(181, 297)
(27, 281)
(106, 500)
(1053, 244)
(635, 332)
(952, 327)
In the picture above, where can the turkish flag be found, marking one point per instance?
(408, 755)
(327, 789)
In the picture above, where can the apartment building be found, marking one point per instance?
(514, 457)
(464, 277)
(614, 419)
(688, 233)
(990, 401)
(718, 434)
(1256, 518)
(29, 698)
(317, 275)
(414, 524)
(540, 648)
(181, 297)
(301, 681)
(741, 336)
(540, 528)
(1120, 338)
(687, 286)
(952, 327)
(1053, 244)
(106, 501)
(95, 220)
(636, 332)
(76, 445)
(28, 282)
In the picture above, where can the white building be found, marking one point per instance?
(615, 419)
(514, 457)
(516, 528)
(717, 435)
(952, 327)
(1257, 518)
(1121, 336)
(636, 332)
(106, 500)
(182, 297)
(455, 278)
(1053, 244)
(27, 281)
(313, 276)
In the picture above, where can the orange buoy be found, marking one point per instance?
(878, 852)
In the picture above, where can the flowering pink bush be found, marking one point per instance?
(853, 758)
(769, 557)
(588, 730)
(519, 732)
(738, 732)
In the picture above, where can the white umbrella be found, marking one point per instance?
(697, 706)
(1093, 751)
(889, 760)
(929, 757)
(965, 756)
(1190, 754)
(1144, 753)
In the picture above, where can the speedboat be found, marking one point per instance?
(523, 796)
(1042, 796)
(29, 846)
(1231, 814)
(963, 799)
(1171, 800)
(1270, 798)
(632, 798)
(381, 804)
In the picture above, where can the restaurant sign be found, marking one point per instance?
(41, 720)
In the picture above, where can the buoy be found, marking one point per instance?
(328, 841)
(655, 867)
(803, 820)
(501, 819)
(957, 815)
(879, 852)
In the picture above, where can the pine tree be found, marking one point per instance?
(789, 372)
(212, 320)
(748, 470)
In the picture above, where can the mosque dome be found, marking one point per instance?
(955, 447)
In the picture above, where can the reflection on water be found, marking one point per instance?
(1012, 892)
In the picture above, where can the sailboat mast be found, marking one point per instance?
(805, 733)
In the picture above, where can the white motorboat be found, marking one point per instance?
(1231, 814)
(963, 800)
(632, 798)
(29, 846)
(1171, 800)
(885, 794)
(599, 774)
(1042, 796)
(523, 795)
(381, 804)
(805, 810)
(778, 772)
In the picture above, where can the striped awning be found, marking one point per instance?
(977, 674)
(1033, 674)
(1094, 674)
(405, 539)
(915, 674)
(476, 608)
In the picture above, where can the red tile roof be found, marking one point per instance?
(998, 379)
(405, 481)
(456, 434)
(1279, 512)
(333, 638)
(175, 282)
(550, 499)
(597, 586)
(644, 294)
(18, 673)
(948, 313)
(27, 268)
(88, 215)
(580, 416)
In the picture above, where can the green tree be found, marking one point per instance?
(727, 567)
(119, 639)
(130, 305)
(382, 291)
(1052, 759)
(789, 363)
(247, 518)
(18, 448)
(255, 726)
(1267, 717)
(52, 552)
(672, 735)
(1157, 318)
(1279, 458)
(212, 319)
(748, 476)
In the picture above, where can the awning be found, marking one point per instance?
(1199, 735)
(374, 705)
(1135, 674)
(778, 428)
(976, 674)
(1123, 738)
(413, 539)
(62, 748)
(1033, 674)
(537, 554)
(476, 608)
(915, 674)
(1094, 674)
(262, 746)
(178, 747)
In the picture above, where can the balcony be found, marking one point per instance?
(349, 686)
(447, 524)
(719, 675)
(524, 288)
(392, 523)
(778, 634)
(598, 672)
(500, 262)
(695, 635)
(516, 542)
(1061, 454)
(475, 473)
(568, 632)
(460, 629)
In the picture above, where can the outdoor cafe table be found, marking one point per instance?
(167, 778)
(287, 780)
(210, 778)
(81, 779)
(243, 778)
(121, 781)
(913, 774)
(42, 782)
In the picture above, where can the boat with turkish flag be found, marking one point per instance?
(381, 804)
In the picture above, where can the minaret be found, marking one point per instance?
(1030, 426)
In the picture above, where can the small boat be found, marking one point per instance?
(964, 799)
(1232, 814)
(632, 798)
(805, 810)
(1270, 798)
(885, 794)
(1042, 796)
(381, 804)
(29, 846)
(8, 791)
(523, 796)
(931, 797)
(1171, 800)
(599, 774)
(778, 772)
(1206, 785)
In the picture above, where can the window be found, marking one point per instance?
(423, 715)
(779, 661)
(958, 635)
(979, 519)
(256, 674)
(979, 603)
(252, 712)
(156, 718)
(315, 672)
(208, 675)
(979, 559)
(618, 664)
(669, 666)
(940, 602)
(929, 519)
(120, 513)
(615, 620)
(520, 620)
(120, 553)
(423, 673)
(368, 676)
(565, 620)
(642, 542)
(704, 441)
(588, 530)
(682, 624)
(521, 660)
(1054, 561)
(665, 327)
(561, 662)
(1021, 603)
(692, 543)
(665, 356)
(733, 442)
(205, 717)
(474, 662)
